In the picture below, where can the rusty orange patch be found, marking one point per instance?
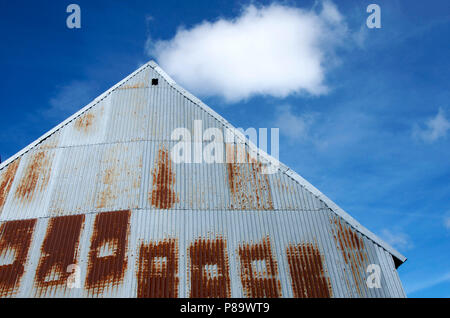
(137, 85)
(108, 253)
(163, 196)
(59, 250)
(36, 176)
(6, 181)
(353, 250)
(249, 187)
(307, 272)
(158, 270)
(85, 122)
(15, 239)
(259, 270)
(209, 269)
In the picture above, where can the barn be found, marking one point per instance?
(97, 207)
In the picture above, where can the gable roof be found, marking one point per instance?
(399, 258)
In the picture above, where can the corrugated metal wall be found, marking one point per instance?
(101, 192)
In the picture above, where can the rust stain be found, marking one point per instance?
(249, 187)
(209, 269)
(58, 251)
(108, 252)
(85, 122)
(307, 272)
(259, 282)
(137, 85)
(158, 270)
(15, 238)
(6, 181)
(36, 176)
(107, 195)
(163, 196)
(353, 251)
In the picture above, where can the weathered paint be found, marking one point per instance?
(58, 251)
(259, 270)
(163, 196)
(309, 279)
(209, 269)
(6, 181)
(353, 251)
(15, 241)
(249, 187)
(157, 273)
(85, 122)
(36, 176)
(108, 252)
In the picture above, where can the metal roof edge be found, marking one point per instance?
(283, 168)
(74, 116)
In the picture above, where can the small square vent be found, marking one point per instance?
(154, 81)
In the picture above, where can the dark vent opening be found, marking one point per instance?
(154, 81)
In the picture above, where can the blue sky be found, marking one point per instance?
(369, 125)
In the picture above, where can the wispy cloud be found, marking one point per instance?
(397, 239)
(434, 128)
(447, 221)
(293, 126)
(272, 50)
(422, 285)
(70, 98)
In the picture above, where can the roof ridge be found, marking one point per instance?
(282, 167)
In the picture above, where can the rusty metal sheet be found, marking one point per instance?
(259, 270)
(15, 240)
(6, 180)
(307, 271)
(108, 253)
(138, 224)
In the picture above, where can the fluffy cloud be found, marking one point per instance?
(274, 50)
(397, 239)
(435, 128)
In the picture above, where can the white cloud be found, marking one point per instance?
(447, 222)
(397, 239)
(274, 50)
(435, 128)
(292, 125)
(422, 285)
(70, 98)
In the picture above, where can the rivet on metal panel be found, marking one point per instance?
(259, 270)
(36, 176)
(15, 242)
(158, 270)
(6, 181)
(163, 196)
(209, 269)
(58, 251)
(307, 272)
(108, 252)
(353, 251)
